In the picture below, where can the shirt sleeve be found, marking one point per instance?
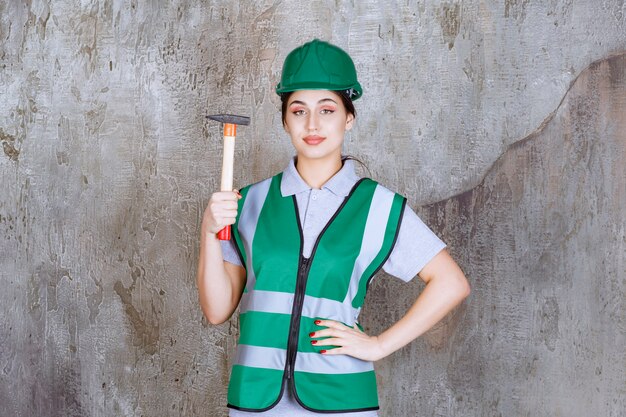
(229, 253)
(415, 247)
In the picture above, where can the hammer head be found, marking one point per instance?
(230, 118)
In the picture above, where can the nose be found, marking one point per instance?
(312, 121)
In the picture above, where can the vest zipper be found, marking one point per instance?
(296, 313)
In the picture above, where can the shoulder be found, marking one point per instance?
(260, 184)
(380, 189)
(384, 205)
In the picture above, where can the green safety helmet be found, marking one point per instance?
(318, 65)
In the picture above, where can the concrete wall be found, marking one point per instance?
(489, 116)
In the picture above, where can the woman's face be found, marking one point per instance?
(317, 120)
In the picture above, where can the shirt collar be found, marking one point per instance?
(340, 184)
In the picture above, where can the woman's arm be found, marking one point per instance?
(220, 284)
(446, 287)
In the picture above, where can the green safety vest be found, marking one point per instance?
(286, 292)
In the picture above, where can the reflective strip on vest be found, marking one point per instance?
(314, 307)
(350, 250)
(373, 237)
(267, 302)
(272, 358)
(247, 223)
(261, 357)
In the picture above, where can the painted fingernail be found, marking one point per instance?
(322, 351)
(313, 342)
(311, 334)
(318, 321)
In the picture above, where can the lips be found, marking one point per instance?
(313, 140)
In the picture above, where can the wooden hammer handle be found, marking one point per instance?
(228, 159)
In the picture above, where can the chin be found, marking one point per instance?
(318, 155)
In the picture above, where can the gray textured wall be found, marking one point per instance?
(489, 116)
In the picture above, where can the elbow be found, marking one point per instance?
(457, 287)
(464, 289)
(467, 290)
(214, 314)
(214, 319)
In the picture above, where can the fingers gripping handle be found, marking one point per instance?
(230, 131)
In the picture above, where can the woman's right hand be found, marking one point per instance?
(220, 211)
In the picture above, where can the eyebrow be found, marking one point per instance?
(319, 102)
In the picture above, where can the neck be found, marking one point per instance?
(316, 172)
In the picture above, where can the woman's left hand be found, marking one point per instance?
(351, 341)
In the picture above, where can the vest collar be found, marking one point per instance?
(340, 184)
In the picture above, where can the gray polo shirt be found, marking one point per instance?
(415, 247)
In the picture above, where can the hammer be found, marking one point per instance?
(230, 131)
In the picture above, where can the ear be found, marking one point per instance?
(286, 127)
(349, 121)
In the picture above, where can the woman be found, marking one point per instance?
(306, 244)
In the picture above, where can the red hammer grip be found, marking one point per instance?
(224, 234)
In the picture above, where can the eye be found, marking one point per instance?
(327, 111)
(298, 111)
